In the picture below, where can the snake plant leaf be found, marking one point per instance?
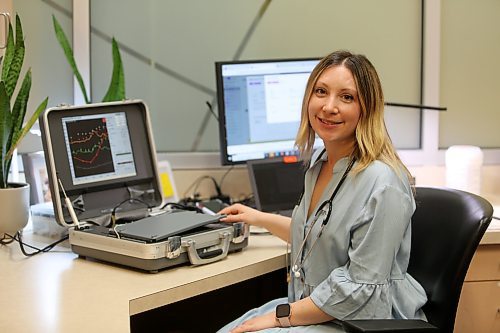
(9, 53)
(116, 89)
(68, 52)
(19, 109)
(5, 130)
(12, 130)
(14, 68)
(28, 126)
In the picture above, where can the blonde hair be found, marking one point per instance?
(372, 139)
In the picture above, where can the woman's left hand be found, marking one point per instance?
(256, 324)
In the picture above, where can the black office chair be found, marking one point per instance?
(447, 227)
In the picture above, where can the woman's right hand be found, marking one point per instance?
(242, 213)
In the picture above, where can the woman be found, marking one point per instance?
(350, 233)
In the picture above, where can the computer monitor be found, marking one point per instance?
(100, 156)
(259, 104)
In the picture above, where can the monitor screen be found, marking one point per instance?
(259, 106)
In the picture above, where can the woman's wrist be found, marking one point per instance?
(283, 315)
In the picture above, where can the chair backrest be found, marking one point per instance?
(447, 227)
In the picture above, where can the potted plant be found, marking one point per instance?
(14, 197)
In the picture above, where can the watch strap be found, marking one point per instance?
(283, 314)
(284, 321)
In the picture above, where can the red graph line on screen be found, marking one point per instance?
(97, 148)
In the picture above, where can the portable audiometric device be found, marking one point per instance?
(102, 168)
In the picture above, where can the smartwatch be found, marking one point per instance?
(283, 313)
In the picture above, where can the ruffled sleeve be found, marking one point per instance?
(374, 283)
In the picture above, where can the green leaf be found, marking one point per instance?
(9, 53)
(28, 126)
(17, 60)
(68, 52)
(19, 109)
(116, 89)
(5, 130)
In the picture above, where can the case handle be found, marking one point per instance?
(194, 256)
(240, 232)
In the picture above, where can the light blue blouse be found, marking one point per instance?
(357, 268)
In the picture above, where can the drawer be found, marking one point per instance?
(479, 308)
(485, 265)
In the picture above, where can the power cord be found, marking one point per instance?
(130, 200)
(18, 238)
(195, 196)
(6, 239)
(224, 176)
(216, 185)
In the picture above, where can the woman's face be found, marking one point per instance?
(334, 107)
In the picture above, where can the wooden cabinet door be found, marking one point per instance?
(479, 308)
(485, 265)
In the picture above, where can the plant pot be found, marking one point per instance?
(14, 208)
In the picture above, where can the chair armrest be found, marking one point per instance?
(388, 325)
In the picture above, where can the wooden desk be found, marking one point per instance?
(57, 292)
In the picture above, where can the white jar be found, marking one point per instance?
(463, 168)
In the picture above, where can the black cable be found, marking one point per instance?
(6, 240)
(197, 183)
(113, 212)
(216, 185)
(211, 109)
(181, 206)
(130, 200)
(224, 176)
(197, 180)
(18, 238)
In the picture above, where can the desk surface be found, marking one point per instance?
(57, 292)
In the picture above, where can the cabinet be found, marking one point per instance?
(479, 306)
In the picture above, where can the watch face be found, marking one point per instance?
(283, 310)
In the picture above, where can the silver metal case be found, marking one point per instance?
(96, 200)
(204, 245)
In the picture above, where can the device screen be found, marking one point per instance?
(98, 147)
